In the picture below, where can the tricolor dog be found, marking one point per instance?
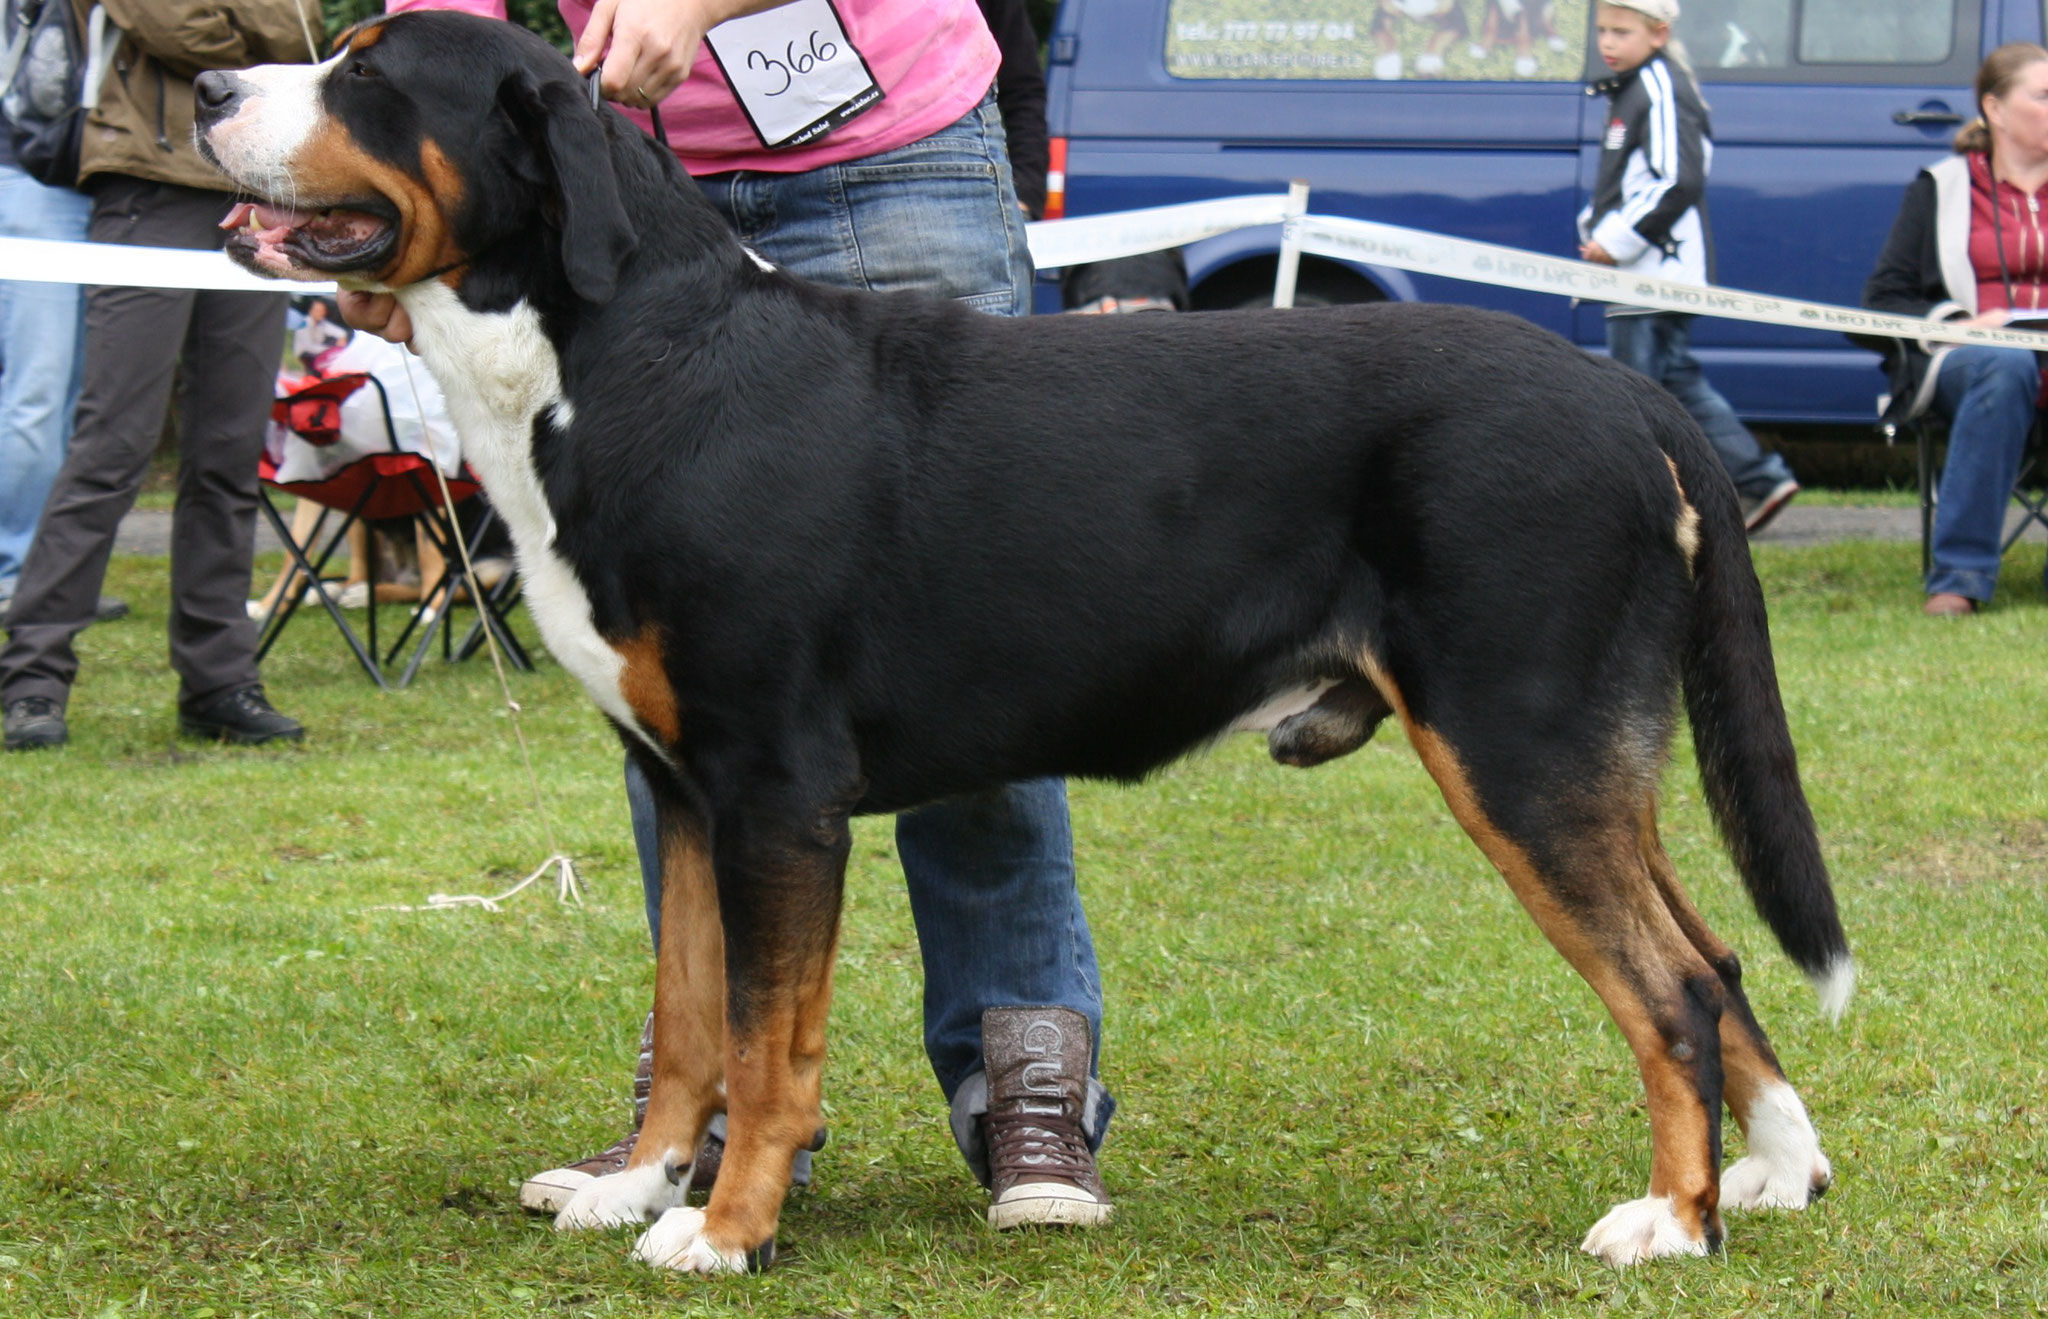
(818, 553)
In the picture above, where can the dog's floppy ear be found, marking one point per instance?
(597, 236)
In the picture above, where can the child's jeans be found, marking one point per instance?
(1658, 344)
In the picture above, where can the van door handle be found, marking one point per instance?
(1926, 117)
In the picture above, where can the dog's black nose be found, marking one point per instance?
(218, 93)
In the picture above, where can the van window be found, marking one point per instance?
(1418, 40)
(1736, 34)
(1864, 41)
(1876, 31)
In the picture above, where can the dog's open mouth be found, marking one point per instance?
(285, 241)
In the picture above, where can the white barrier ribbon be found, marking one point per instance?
(1106, 237)
(1509, 267)
(44, 261)
(1057, 243)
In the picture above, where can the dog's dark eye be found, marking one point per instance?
(358, 69)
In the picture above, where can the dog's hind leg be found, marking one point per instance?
(689, 1033)
(780, 878)
(1568, 848)
(1784, 1168)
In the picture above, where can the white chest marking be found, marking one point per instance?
(498, 371)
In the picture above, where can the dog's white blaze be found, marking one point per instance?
(676, 1241)
(1279, 706)
(257, 145)
(1641, 1229)
(637, 1195)
(1784, 1163)
(498, 371)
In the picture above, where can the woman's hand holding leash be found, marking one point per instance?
(652, 43)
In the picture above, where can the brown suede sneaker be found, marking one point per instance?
(1040, 1167)
(546, 1192)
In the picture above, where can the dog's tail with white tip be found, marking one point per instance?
(1746, 760)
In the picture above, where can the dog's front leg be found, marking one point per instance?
(689, 1032)
(780, 878)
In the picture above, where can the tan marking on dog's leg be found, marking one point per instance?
(1784, 1166)
(643, 683)
(1618, 935)
(775, 1106)
(1746, 1058)
(689, 1002)
(784, 881)
(1687, 532)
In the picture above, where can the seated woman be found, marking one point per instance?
(1969, 245)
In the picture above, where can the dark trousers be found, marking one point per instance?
(135, 340)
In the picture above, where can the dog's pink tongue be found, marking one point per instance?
(271, 220)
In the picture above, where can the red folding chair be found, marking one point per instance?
(389, 484)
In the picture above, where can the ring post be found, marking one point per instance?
(1290, 244)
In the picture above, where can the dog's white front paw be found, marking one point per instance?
(637, 1195)
(1784, 1168)
(677, 1241)
(1641, 1229)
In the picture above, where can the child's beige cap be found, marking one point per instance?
(1657, 11)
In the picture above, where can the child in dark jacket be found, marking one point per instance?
(1645, 216)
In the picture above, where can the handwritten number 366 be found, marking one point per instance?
(794, 61)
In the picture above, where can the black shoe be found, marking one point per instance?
(242, 716)
(33, 722)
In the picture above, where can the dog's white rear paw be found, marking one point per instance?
(637, 1195)
(1641, 1229)
(676, 1241)
(1755, 1183)
(1784, 1168)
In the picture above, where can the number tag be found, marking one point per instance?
(794, 71)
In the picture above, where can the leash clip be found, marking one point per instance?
(653, 111)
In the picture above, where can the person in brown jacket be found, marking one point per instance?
(150, 187)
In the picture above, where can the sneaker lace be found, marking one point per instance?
(34, 707)
(617, 1154)
(1037, 1143)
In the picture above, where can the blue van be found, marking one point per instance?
(1470, 118)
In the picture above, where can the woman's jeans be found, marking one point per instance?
(991, 876)
(40, 336)
(1988, 396)
(1659, 344)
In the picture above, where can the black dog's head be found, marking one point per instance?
(425, 141)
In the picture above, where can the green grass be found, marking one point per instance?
(1353, 1076)
(1813, 497)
